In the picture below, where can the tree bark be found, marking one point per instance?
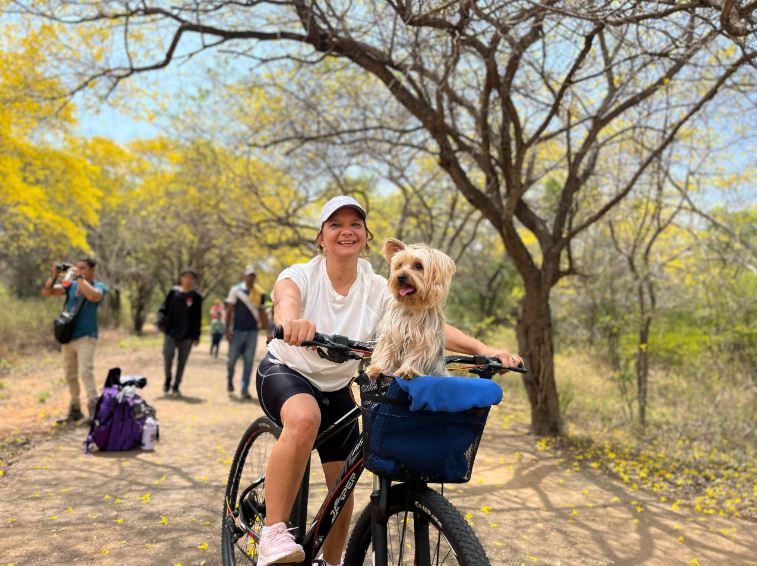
(535, 338)
(642, 368)
(647, 306)
(112, 307)
(139, 306)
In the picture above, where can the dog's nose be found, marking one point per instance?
(401, 278)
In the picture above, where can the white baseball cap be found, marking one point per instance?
(340, 202)
(250, 270)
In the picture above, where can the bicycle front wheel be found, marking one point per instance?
(244, 502)
(423, 529)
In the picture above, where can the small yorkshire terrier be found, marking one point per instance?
(411, 334)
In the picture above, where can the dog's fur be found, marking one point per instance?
(411, 334)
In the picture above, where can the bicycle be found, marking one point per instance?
(404, 523)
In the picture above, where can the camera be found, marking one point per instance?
(63, 266)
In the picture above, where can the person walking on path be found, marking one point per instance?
(244, 316)
(183, 320)
(217, 311)
(217, 327)
(79, 353)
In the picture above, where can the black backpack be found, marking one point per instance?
(63, 325)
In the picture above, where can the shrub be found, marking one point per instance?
(25, 324)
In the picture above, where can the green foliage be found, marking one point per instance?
(677, 336)
(482, 294)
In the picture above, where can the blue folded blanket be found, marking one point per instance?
(450, 394)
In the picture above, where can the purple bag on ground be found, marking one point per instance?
(119, 417)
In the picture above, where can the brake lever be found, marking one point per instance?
(330, 344)
(334, 348)
(336, 355)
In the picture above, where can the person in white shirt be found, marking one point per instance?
(336, 292)
(245, 317)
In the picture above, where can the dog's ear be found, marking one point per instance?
(449, 265)
(443, 268)
(391, 247)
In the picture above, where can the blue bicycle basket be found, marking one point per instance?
(427, 446)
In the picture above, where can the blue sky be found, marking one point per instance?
(112, 124)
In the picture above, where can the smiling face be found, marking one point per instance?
(343, 234)
(419, 276)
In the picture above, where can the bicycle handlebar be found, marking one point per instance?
(486, 365)
(340, 348)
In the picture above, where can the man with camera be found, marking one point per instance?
(79, 286)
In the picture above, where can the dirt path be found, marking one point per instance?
(60, 506)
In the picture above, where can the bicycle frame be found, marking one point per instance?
(333, 504)
(313, 538)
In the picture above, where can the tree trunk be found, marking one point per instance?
(613, 347)
(535, 339)
(642, 368)
(138, 316)
(139, 306)
(112, 307)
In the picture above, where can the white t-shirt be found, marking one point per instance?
(355, 316)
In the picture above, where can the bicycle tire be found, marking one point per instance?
(451, 541)
(242, 519)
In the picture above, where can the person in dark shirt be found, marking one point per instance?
(182, 326)
(244, 316)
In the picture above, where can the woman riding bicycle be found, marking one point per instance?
(336, 293)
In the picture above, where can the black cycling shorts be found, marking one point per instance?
(276, 383)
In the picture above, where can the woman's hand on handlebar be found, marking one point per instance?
(506, 358)
(297, 331)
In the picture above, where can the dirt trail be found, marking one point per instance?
(60, 506)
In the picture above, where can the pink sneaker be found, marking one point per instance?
(277, 546)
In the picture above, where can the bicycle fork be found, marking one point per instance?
(418, 543)
(379, 517)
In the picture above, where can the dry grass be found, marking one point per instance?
(696, 450)
(26, 325)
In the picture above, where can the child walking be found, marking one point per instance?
(217, 327)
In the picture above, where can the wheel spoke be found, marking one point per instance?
(403, 528)
(246, 553)
(412, 540)
(423, 529)
(244, 505)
